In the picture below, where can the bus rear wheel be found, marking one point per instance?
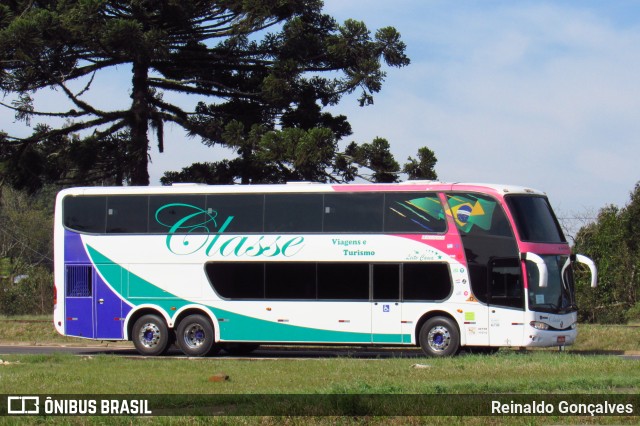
(439, 337)
(150, 335)
(195, 336)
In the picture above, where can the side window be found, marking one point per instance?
(426, 281)
(85, 213)
(477, 214)
(245, 210)
(386, 281)
(127, 214)
(505, 283)
(413, 212)
(180, 214)
(290, 280)
(237, 280)
(348, 281)
(293, 213)
(353, 212)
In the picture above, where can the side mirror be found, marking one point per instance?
(542, 267)
(592, 268)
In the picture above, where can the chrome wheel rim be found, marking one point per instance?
(439, 338)
(149, 335)
(194, 336)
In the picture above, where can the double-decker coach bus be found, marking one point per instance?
(443, 266)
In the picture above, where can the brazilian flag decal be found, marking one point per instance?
(426, 212)
(469, 211)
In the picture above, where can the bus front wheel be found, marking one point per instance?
(150, 335)
(439, 337)
(195, 336)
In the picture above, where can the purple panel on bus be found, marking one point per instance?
(74, 251)
(102, 314)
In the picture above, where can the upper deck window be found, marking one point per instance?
(86, 214)
(413, 212)
(479, 215)
(375, 212)
(534, 219)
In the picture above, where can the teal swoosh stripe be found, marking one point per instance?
(233, 326)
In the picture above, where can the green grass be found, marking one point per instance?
(614, 338)
(537, 373)
(32, 330)
(5, 266)
(531, 372)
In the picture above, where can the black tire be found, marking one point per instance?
(439, 337)
(150, 335)
(240, 348)
(195, 336)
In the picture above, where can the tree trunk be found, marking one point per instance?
(139, 122)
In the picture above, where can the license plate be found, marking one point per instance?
(561, 339)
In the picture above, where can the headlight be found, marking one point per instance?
(573, 326)
(539, 325)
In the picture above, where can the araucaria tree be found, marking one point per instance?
(249, 62)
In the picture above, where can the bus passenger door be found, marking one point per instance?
(386, 309)
(506, 303)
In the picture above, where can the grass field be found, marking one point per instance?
(541, 373)
(537, 373)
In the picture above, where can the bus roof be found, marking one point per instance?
(306, 187)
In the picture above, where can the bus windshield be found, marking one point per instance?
(534, 219)
(559, 295)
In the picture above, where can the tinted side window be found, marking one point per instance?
(413, 212)
(506, 283)
(290, 281)
(127, 214)
(353, 212)
(386, 281)
(426, 281)
(477, 214)
(343, 281)
(293, 213)
(246, 211)
(85, 213)
(237, 280)
(180, 214)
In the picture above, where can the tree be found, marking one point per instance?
(26, 257)
(261, 61)
(612, 242)
(294, 154)
(65, 161)
(423, 167)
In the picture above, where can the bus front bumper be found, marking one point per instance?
(547, 338)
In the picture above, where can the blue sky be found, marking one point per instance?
(544, 94)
